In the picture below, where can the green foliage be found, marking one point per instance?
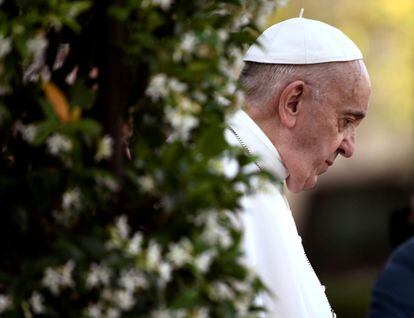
(86, 232)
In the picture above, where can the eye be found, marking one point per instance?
(346, 123)
(349, 121)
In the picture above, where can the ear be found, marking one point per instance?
(290, 102)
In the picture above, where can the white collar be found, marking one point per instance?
(258, 144)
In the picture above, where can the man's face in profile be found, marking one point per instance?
(325, 129)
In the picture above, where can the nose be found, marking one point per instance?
(347, 146)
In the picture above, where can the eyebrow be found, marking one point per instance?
(356, 114)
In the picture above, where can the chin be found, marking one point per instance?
(294, 187)
(310, 182)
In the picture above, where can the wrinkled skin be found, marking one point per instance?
(309, 132)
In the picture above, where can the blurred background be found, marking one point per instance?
(345, 221)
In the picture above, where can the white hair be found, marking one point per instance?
(261, 81)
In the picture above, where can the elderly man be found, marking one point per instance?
(307, 90)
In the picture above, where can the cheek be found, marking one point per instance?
(317, 141)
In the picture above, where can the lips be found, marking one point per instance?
(325, 167)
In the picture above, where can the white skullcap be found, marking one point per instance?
(302, 41)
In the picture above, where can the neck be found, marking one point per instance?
(268, 123)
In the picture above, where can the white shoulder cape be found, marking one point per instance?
(272, 245)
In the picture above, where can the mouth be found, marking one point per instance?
(325, 168)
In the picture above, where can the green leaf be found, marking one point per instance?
(81, 95)
(47, 109)
(87, 126)
(44, 130)
(74, 8)
(205, 144)
(186, 299)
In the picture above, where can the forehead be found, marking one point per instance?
(350, 93)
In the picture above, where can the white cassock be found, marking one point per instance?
(271, 241)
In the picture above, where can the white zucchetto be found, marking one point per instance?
(302, 41)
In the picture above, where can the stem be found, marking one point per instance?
(113, 89)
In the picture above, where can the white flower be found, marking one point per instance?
(234, 219)
(204, 261)
(29, 133)
(242, 305)
(177, 86)
(131, 280)
(107, 182)
(180, 253)
(56, 279)
(179, 313)
(241, 187)
(267, 8)
(230, 167)
(37, 45)
(201, 313)
(242, 20)
(160, 85)
(5, 46)
(5, 303)
(71, 199)
(67, 271)
(105, 148)
(36, 48)
(61, 55)
(147, 183)
(241, 286)
(157, 87)
(94, 311)
(230, 88)
(189, 42)
(58, 143)
(71, 204)
(135, 244)
(161, 313)
(165, 270)
(215, 164)
(107, 294)
(205, 217)
(186, 105)
(122, 227)
(51, 280)
(153, 255)
(225, 66)
(221, 291)
(200, 97)
(221, 100)
(97, 274)
(215, 233)
(223, 237)
(164, 4)
(37, 303)
(113, 313)
(124, 299)
(182, 123)
(223, 35)
(231, 68)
